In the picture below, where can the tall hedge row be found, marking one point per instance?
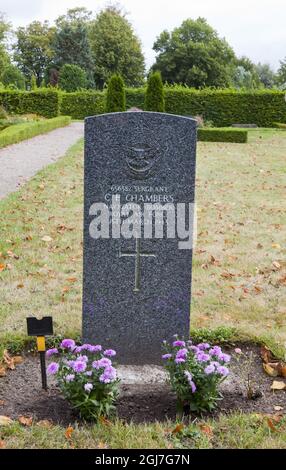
(81, 104)
(43, 102)
(222, 107)
(227, 107)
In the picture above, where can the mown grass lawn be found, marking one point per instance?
(239, 272)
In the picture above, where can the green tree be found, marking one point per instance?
(4, 30)
(33, 82)
(115, 96)
(281, 74)
(154, 98)
(33, 49)
(72, 78)
(71, 42)
(266, 75)
(116, 49)
(13, 77)
(193, 54)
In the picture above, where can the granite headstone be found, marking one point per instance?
(136, 291)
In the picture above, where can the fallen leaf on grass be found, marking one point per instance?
(278, 385)
(45, 423)
(5, 421)
(68, 433)
(104, 421)
(20, 286)
(2, 371)
(102, 445)
(25, 421)
(276, 265)
(2, 444)
(179, 428)
(271, 425)
(46, 239)
(206, 429)
(2, 267)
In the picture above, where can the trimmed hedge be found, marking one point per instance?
(81, 104)
(26, 130)
(46, 103)
(279, 125)
(115, 95)
(227, 107)
(222, 135)
(222, 107)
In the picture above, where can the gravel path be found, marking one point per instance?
(19, 162)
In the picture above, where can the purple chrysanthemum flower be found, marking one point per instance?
(86, 347)
(223, 371)
(179, 360)
(88, 387)
(104, 362)
(69, 377)
(68, 344)
(224, 358)
(52, 368)
(215, 351)
(195, 349)
(79, 366)
(210, 369)
(95, 349)
(193, 386)
(188, 375)
(178, 343)
(202, 357)
(51, 352)
(166, 356)
(182, 353)
(109, 375)
(203, 346)
(82, 358)
(109, 353)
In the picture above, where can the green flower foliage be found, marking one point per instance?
(115, 97)
(154, 98)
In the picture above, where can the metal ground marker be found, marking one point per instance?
(41, 328)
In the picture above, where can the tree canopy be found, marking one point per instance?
(4, 57)
(71, 43)
(193, 54)
(33, 51)
(116, 49)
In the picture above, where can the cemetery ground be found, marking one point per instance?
(239, 295)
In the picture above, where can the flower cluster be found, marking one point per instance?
(86, 377)
(195, 372)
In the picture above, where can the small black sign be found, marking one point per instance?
(43, 327)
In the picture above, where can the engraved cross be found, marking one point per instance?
(138, 255)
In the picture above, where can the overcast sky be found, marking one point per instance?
(255, 28)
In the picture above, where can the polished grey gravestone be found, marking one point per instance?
(136, 291)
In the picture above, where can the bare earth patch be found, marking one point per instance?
(143, 399)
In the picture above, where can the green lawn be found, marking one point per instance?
(239, 272)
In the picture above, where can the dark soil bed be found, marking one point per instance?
(21, 394)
